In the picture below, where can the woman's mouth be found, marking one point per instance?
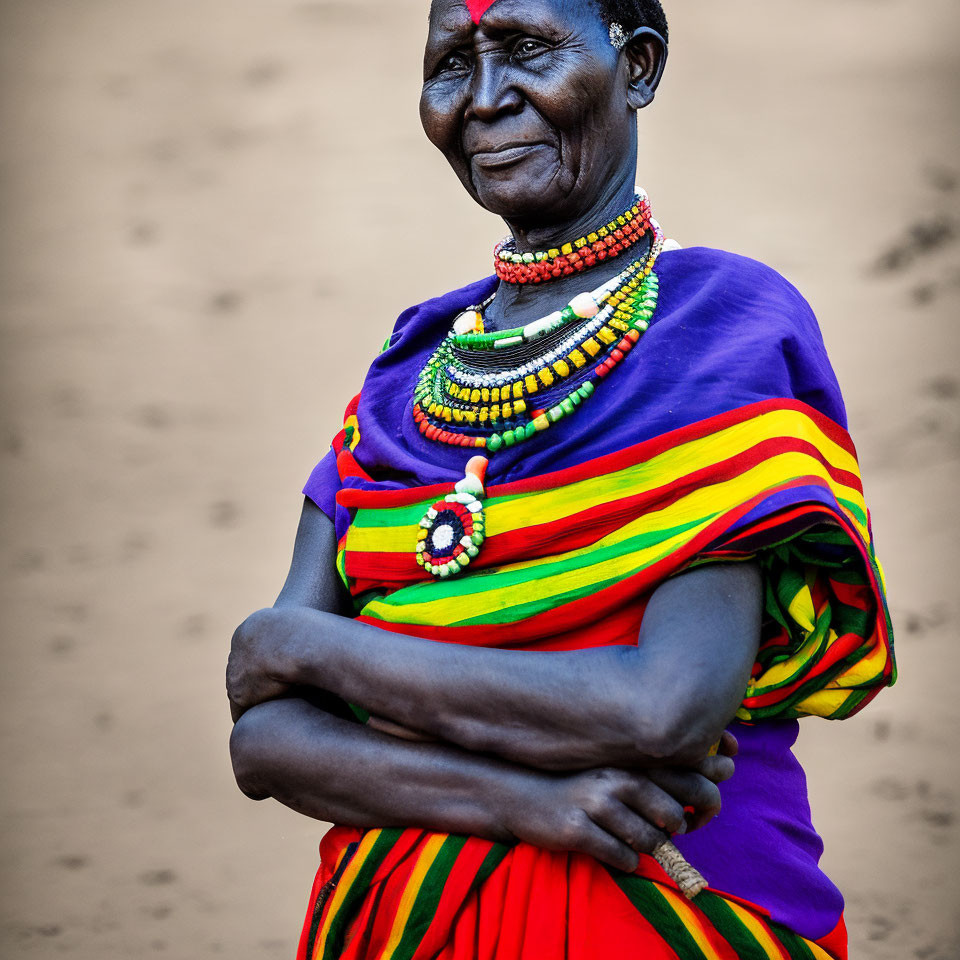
(505, 156)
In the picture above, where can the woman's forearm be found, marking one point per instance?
(665, 700)
(343, 772)
(348, 774)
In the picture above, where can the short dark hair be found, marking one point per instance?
(631, 14)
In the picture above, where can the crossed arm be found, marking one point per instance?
(597, 750)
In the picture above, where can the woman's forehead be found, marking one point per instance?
(478, 8)
(449, 15)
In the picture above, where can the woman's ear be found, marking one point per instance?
(646, 55)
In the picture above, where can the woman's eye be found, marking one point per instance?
(453, 62)
(529, 47)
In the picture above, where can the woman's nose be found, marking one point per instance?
(491, 90)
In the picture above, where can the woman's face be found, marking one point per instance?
(530, 106)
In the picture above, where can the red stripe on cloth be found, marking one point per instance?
(835, 942)
(617, 627)
(323, 875)
(588, 526)
(839, 650)
(579, 613)
(853, 594)
(347, 465)
(638, 453)
(383, 568)
(455, 890)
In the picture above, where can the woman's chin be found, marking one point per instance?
(521, 192)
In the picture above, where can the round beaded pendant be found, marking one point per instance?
(453, 530)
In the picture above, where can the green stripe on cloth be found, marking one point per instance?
(500, 578)
(324, 895)
(490, 862)
(354, 896)
(424, 907)
(793, 943)
(858, 512)
(531, 608)
(656, 909)
(730, 927)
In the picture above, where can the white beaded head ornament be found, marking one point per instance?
(618, 36)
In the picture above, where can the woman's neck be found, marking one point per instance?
(516, 304)
(607, 206)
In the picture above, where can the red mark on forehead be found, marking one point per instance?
(478, 8)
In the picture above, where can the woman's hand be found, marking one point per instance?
(258, 667)
(614, 815)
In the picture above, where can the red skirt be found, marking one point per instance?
(412, 895)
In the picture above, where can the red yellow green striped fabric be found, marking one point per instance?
(411, 895)
(571, 557)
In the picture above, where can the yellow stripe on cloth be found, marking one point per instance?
(691, 919)
(704, 503)
(671, 465)
(425, 860)
(870, 664)
(801, 609)
(818, 952)
(450, 610)
(555, 504)
(759, 932)
(343, 885)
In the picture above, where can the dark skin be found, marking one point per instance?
(597, 751)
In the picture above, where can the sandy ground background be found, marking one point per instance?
(188, 193)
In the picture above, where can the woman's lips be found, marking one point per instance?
(505, 156)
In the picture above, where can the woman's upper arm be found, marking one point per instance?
(312, 580)
(697, 646)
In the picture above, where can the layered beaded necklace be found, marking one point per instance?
(490, 391)
(495, 390)
(604, 243)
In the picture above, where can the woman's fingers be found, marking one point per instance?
(628, 827)
(691, 790)
(728, 745)
(717, 768)
(604, 844)
(630, 807)
(654, 804)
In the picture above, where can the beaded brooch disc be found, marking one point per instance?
(452, 531)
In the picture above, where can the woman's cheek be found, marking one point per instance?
(440, 112)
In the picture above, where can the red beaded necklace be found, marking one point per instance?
(607, 241)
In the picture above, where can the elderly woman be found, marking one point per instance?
(590, 525)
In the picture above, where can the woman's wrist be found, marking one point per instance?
(507, 795)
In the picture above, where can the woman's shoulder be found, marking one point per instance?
(715, 271)
(735, 290)
(742, 315)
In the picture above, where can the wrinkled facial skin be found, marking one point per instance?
(532, 107)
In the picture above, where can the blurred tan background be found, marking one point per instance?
(190, 189)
